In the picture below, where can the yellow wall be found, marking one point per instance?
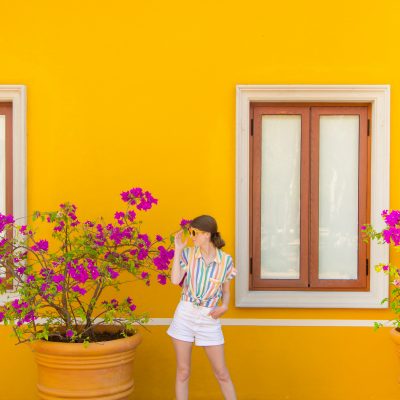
(126, 94)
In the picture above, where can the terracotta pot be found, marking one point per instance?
(101, 371)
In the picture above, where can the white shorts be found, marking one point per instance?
(192, 323)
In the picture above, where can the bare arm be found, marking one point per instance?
(226, 294)
(177, 272)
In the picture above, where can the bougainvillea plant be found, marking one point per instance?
(389, 235)
(58, 283)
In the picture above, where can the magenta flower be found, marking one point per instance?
(132, 307)
(69, 333)
(41, 245)
(113, 274)
(393, 218)
(78, 273)
(145, 275)
(131, 215)
(5, 220)
(94, 272)
(145, 239)
(15, 303)
(392, 234)
(58, 278)
(2, 315)
(119, 215)
(135, 196)
(59, 227)
(21, 270)
(142, 254)
(161, 279)
(163, 260)
(114, 303)
(30, 278)
(78, 289)
(44, 287)
(185, 223)
(29, 317)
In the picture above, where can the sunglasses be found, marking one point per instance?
(194, 231)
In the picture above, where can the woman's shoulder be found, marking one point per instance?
(224, 254)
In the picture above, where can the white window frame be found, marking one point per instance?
(379, 98)
(16, 94)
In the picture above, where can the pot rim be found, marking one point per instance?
(102, 347)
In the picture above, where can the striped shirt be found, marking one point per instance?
(203, 283)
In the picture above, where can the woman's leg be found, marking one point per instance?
(217, 359)
(183, 351)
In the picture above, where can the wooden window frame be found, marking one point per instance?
(309, 205)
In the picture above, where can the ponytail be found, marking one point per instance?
(217, 240)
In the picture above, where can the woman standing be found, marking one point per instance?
(206, 272)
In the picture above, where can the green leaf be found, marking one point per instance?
(377, 326)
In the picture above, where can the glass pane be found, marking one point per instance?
(2, 164)
(338, 196)
(280, 197)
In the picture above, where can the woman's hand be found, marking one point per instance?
(218, 311)
(179, 244)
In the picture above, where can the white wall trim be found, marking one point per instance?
(379, 97)
(275, 322)
(17, 95)
(283, 322)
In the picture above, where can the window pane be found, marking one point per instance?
(280, 197)
(338, 196)
(2, 164)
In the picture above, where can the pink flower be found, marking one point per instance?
(393, 218)
(113, 274)
(131, 215)
(58, 278)
(41, 245)
(185, 222)
(78, 289)
(114, 303)
(161, 279)
(145, 275)
(142, 254)
(69, 333)
(21, 270)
